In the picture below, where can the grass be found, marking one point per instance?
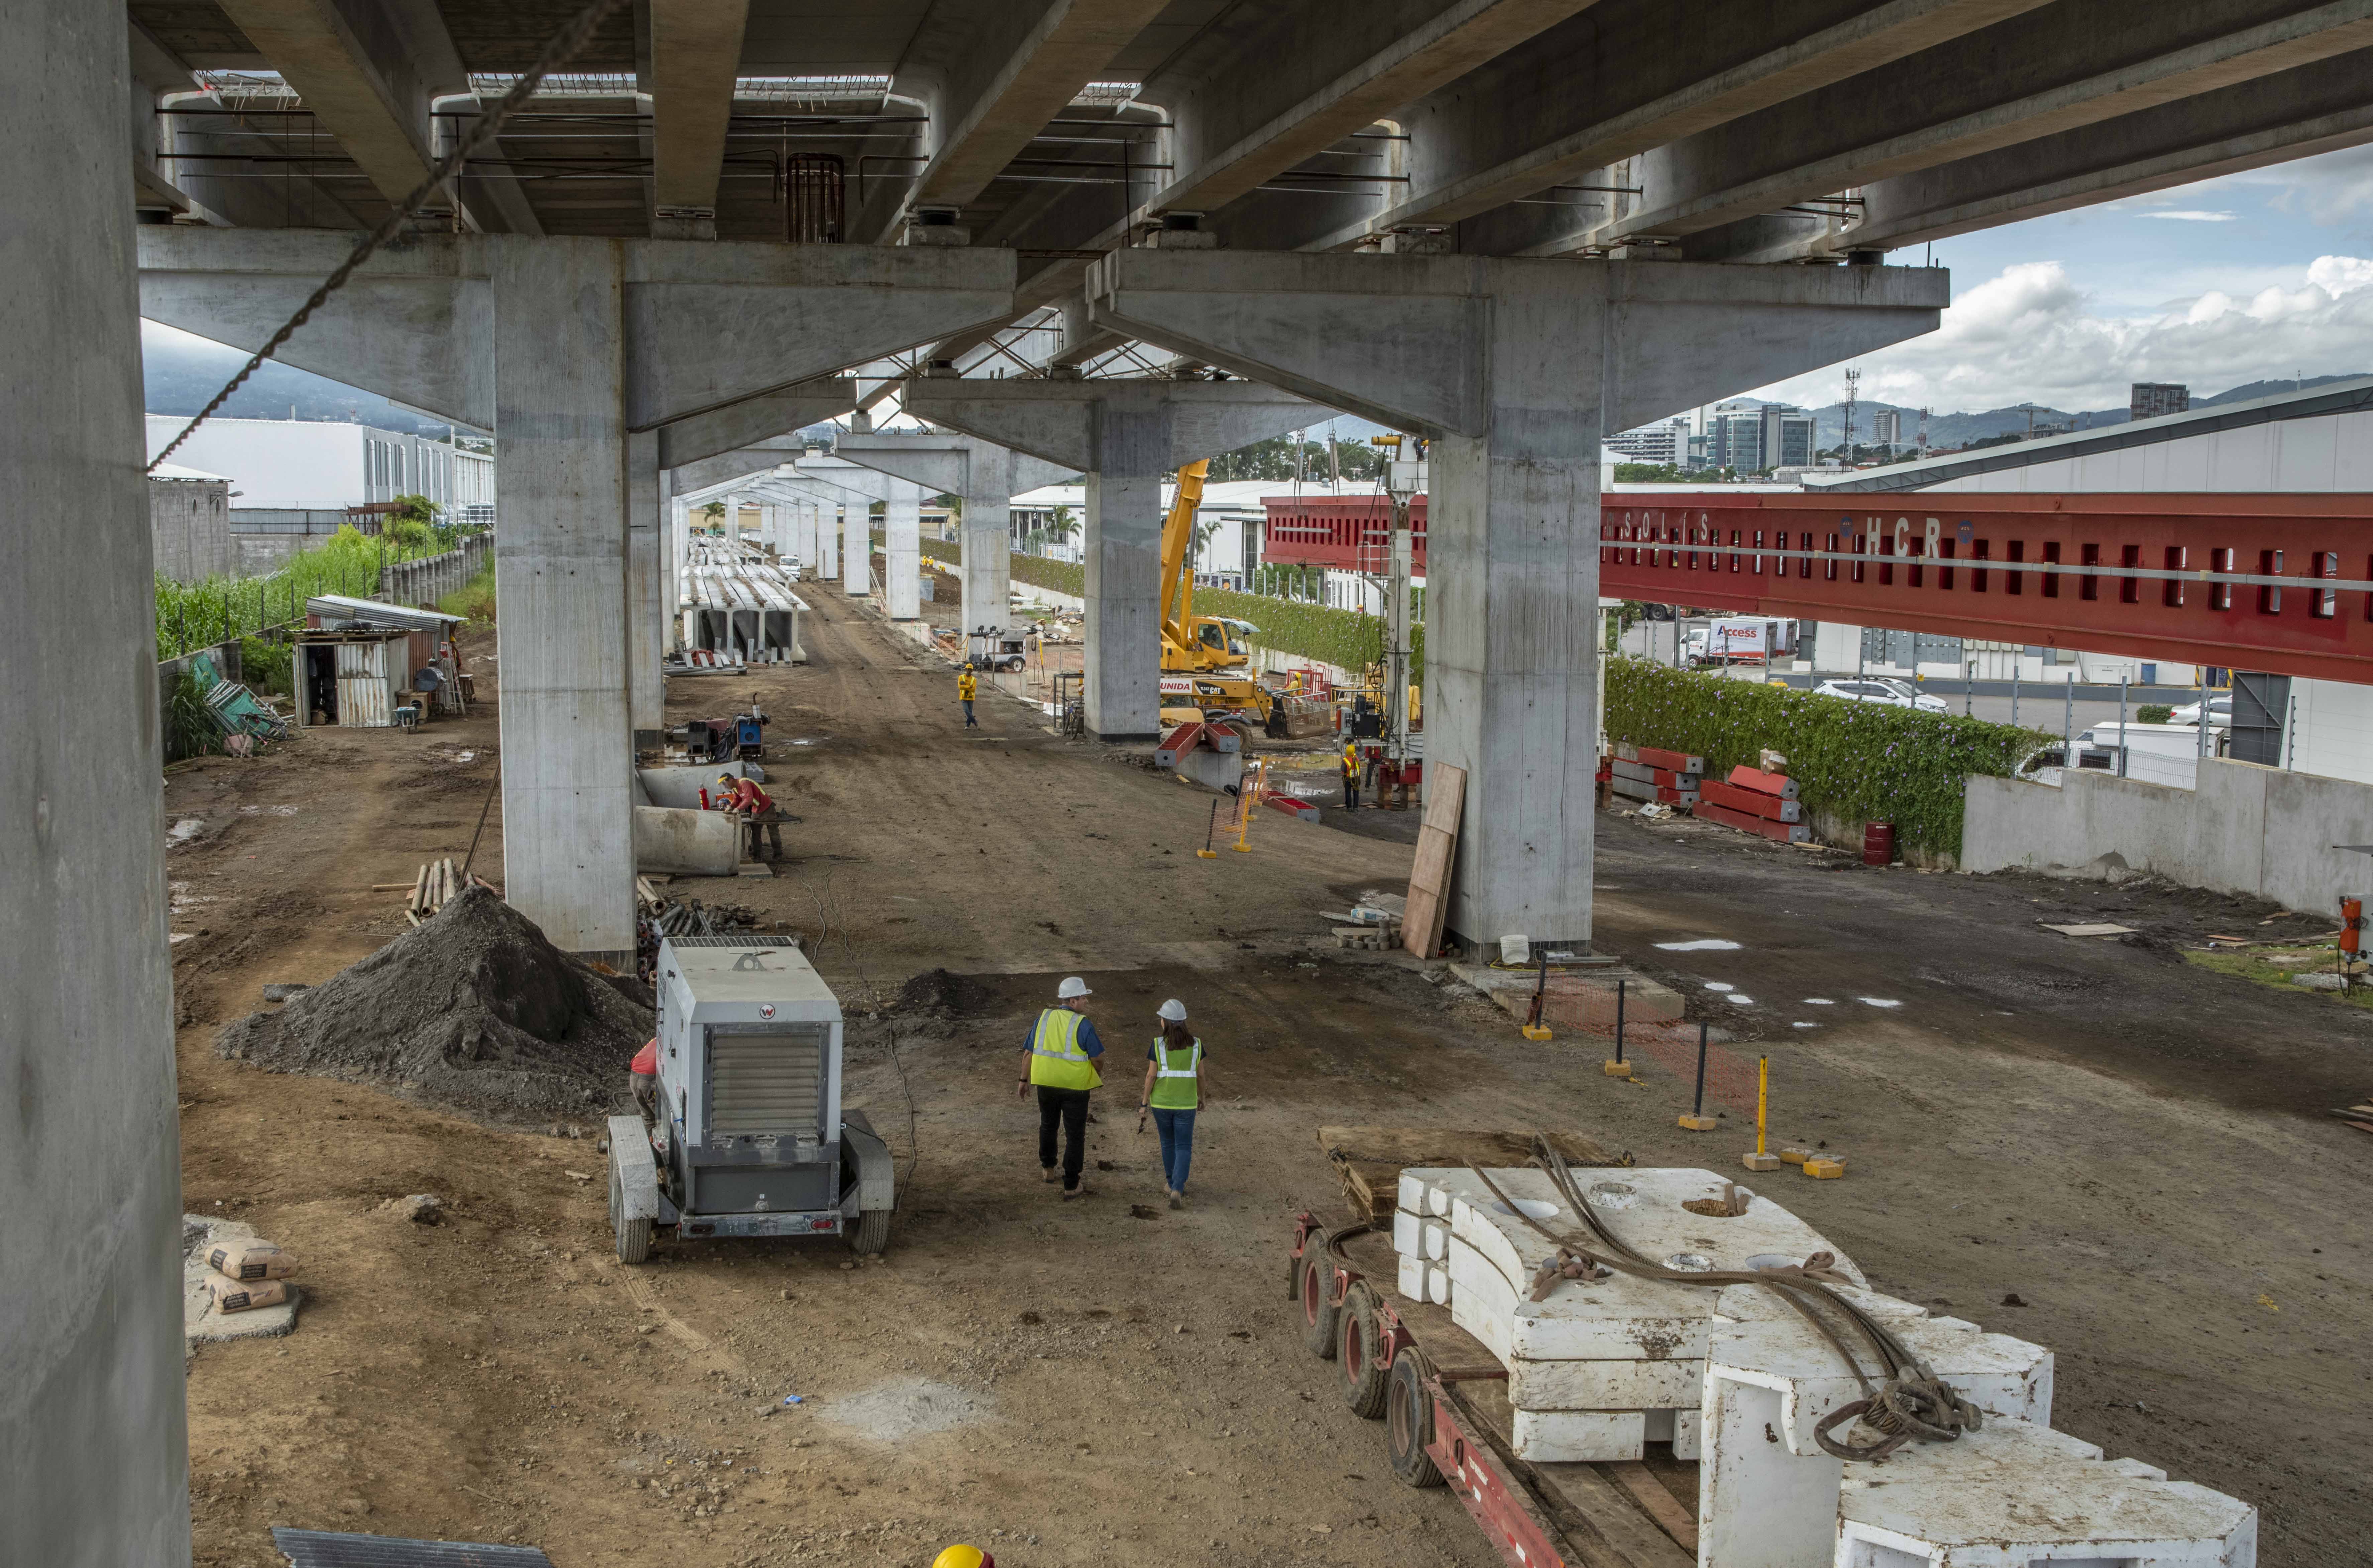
(2249, 964)
(476, 598)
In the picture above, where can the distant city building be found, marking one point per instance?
(2148, 399)
(1886, 428)
(1751, 439)
(1668, 442)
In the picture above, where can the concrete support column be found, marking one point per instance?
(827, 542)
(649, 611)
(901, 529)
(1130, 457)
(94, 1449)
(856, 547)
(679, 562)
(560, 564)
(1512, 369)
(987, 533)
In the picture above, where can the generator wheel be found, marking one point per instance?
(1357, 1353)
(871, 1232)
(1405, 1425)
(1318, 1319)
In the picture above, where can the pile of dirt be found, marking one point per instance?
(944, 995)
(474, 1010)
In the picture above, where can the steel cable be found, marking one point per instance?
(1907, 1401)
(564, 46)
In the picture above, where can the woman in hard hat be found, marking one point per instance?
(1174, 1083)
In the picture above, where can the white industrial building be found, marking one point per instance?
(329, 465)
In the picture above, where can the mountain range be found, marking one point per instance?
(1950, 430)
(183, 372)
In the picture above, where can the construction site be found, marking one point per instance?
(630, 1051)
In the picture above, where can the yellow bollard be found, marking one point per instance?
(1759, 1161)
(1247, 795)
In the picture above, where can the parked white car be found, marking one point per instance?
(1894, 693)
(2220, 713)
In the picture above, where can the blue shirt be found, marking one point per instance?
(1090, 1046)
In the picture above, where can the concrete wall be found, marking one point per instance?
(2262, 831)
(429, 579)
(94, 1442)
(188, 528)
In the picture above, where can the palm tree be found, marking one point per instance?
(1062, 525)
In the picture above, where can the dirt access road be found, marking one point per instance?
(2133, 1148)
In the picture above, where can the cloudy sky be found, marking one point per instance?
(2253, 276)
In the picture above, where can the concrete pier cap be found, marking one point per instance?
(986, 477)
(1128, 437)
(1514, 369)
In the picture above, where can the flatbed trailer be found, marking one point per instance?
(1443, 1398)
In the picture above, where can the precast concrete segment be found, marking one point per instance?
(1514, 369)
(648, 609)
(560, 571)
(94, 1458)
(696, 52)
(412, 324)
(1129, 437)
(360, 75)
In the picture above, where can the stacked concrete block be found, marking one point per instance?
(2015, 1493)
(1595, 1364)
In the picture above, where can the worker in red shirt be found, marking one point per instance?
(754, 806)
(643, 1073)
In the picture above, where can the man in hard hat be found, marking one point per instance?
(1350, 775)
(967, 684)
(1062, 1067)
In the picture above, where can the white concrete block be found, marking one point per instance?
(1405, 1235)
(2008, 1496)
(1572, 1436)
(1767, 1493)
(1412, 1277)
(1436, 1238)
(1409, 1193)
(1753, 1303)
(1605, 1385)
(1688, 1436)
(1437, 1284)
(1618, 1318)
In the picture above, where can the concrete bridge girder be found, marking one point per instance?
(1514, 369)
(1128, 437)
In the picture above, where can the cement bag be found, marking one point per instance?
(253, 1260)
(234, 1295)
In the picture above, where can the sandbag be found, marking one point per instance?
(234, 1295)
(253, 1260)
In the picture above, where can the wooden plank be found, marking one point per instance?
(1622, 1524)
(1437, 849)
(1659, 1504)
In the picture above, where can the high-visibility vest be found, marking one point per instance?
(965, 685)
(1174, 1088)
(1056, 1060)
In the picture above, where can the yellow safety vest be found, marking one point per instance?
(1056, 1060)
(965, 685)
(1176, 1088)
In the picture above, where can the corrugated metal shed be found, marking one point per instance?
(373, 613)
(324, 1549)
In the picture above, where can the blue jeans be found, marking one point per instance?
(1177, 1130)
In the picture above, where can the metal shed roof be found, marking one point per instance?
(375, 613)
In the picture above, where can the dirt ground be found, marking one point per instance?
(2133, 1147)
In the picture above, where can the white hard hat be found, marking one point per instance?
(1173, 1010)
(1071, 988)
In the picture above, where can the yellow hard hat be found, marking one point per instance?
(963, 1557)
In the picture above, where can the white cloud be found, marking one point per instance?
(2193, 215)
(2031, 333)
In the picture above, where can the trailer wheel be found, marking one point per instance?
(1318, 1317)
(1363, 1374)
(873, 1232)
(1405, 1426)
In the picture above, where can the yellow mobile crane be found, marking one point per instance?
(1205, 664)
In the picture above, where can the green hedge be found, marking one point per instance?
(1858, 760)
(201, 614)
(1342, 638)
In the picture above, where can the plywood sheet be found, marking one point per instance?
(1437, 848)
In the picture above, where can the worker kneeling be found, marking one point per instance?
(1062, 1068)
(1174, 1084)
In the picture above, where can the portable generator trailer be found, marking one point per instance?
(750, 1138)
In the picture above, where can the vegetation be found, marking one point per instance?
(474, 599)
(1274, 459)
(265, 665)
(2154, 713)
(201, 614)
(2251, 964)
(1671, 473)
(189, 729)
(1860, 761)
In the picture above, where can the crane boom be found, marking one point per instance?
(1177, 568)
